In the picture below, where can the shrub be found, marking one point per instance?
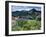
(27, 25)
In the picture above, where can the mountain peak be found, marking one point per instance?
(33, 10)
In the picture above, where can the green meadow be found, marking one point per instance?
(21, 25)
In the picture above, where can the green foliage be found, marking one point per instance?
(26, 25)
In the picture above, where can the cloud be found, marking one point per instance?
(19, 8)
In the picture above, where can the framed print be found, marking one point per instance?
(24, 18)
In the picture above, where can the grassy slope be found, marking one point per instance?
(26, 25)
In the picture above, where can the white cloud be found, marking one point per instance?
(19, 8)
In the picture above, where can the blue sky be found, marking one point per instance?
(19, 8)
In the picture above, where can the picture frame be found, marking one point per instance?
(31, 9)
